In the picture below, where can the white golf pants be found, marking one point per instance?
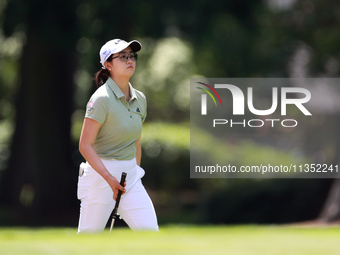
(97, 203)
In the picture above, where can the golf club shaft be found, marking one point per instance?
(114, 214)
(112, 223)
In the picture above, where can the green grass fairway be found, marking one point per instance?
(231, 240)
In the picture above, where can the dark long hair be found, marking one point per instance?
(102, 75)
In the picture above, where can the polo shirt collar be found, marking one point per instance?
(118, 92)
(132, 92)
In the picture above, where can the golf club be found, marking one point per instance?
(115, 209)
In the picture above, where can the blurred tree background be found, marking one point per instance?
(49, 53)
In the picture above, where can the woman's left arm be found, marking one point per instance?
(138, 151)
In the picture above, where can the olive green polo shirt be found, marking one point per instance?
(121, 120)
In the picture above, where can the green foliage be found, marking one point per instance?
(165, 156)
(163, 73)
(267, 201)
(6, 130)
(10, 51)
(180, 40)
(166, 161)
(169, 134)
(241, 152)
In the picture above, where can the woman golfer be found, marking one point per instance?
(110, 143)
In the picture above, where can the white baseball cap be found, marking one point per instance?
(117, 45)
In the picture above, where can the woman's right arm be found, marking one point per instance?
(87, 139)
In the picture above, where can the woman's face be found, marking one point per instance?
(120, 67)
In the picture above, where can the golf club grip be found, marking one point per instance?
(122, 180)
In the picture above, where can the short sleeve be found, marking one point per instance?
(97, 108)
(145, 110)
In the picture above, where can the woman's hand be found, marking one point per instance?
(115, 186)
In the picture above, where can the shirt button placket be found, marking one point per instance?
(129, 110)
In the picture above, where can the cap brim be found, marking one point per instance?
(135, 45)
